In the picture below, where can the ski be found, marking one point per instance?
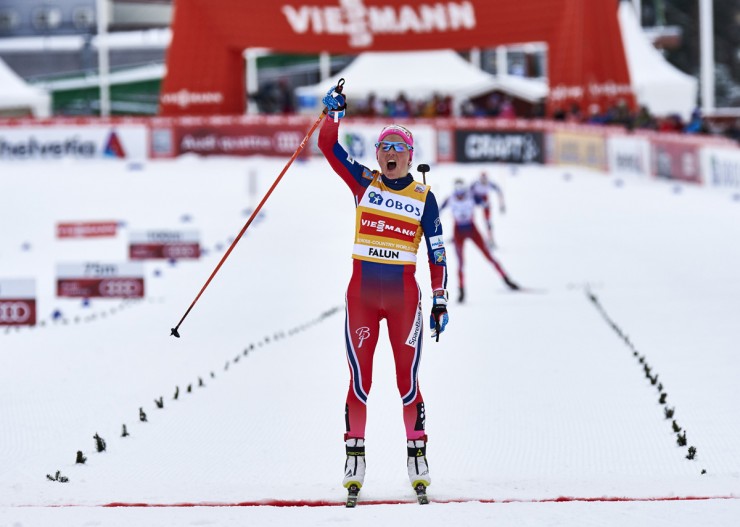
(421, 494)
(352, 493)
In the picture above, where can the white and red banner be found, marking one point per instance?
(17, 302)
(164, 244)
(87, 229)
(721, 167)
(98, 279)
(628, 155)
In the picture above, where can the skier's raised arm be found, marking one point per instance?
(355, 175)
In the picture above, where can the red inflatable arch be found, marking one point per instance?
(205, 64)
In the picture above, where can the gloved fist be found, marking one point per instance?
(335, 104)
(439, 317)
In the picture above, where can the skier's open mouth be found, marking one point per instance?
(391, 165)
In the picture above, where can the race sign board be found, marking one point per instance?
(87, 229)
(160, 244)
(101, 280)
(17, 302)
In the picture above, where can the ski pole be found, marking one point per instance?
(424, 168)
(174, 331)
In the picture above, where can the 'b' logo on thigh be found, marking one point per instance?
(362, 334)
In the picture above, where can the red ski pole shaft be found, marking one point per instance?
(249, 221)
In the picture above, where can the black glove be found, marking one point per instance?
(439, 317)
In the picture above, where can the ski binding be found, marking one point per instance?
(352, 493)
(421, 494)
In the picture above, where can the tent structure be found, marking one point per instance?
(17, 98)
(421, 79)
(656, 83)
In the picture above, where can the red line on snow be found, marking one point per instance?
(328, 503)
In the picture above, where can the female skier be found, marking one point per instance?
(393, 214)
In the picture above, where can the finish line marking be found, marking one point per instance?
(328, 503)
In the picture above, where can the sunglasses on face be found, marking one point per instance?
(398, 146)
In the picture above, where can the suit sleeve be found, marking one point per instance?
(355, 175)
(433, 235)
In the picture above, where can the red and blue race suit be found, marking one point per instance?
(392, 216)
(462, 205)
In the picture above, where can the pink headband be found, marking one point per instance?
(398, 130)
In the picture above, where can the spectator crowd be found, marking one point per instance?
(279, 99)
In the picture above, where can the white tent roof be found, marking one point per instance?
(657, 84)
(15, 93)
(527, 88)
(424, 74)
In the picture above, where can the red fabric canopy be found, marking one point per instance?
(205, 66)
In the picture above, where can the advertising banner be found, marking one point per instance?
(675, 159)
(579, 149)
(103, 280)
(64, 141)
(445, 144)
(721, 167)
(499, 146)
(17, 302)
(628, 156)
(145, 245)
(279, 139)
(87, 229)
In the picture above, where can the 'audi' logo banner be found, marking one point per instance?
(100, 279)
(118, 287)
(475, 146)
(17, 312)
(164, 244)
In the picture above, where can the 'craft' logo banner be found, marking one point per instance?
(474, 146)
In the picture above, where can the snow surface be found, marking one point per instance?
(539, 411)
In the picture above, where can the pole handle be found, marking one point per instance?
(423, 168)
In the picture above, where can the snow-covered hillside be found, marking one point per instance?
(540, 406)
